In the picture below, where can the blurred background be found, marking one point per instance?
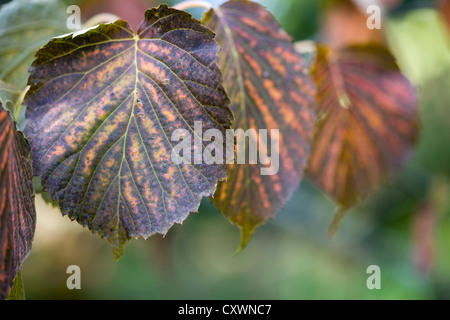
(404, 228)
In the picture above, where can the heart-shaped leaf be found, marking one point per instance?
(26, 25)
(102, 108)
(269, 90)
(17, 212)
(368, 121)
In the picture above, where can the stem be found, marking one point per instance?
(100, 18)
(193, 4)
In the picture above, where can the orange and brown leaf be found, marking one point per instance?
(268, 88)
(17, 212)
(345, 23)
(368, 121)
(444, 9)
(101, 111)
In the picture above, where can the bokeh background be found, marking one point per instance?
(404, 228)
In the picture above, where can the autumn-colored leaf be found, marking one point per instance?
(345, 23)
(268, 88)
(368, 121)
(26, 25)
(17, 212)
(102, 108)
(444, 8)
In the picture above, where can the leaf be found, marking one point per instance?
(26, 25)
(102, 108)
(420, 41)
(17, 212)
(345, 22)
(444, 8)
(368, 121)
(264, 76)
(9, 96)
(18, 291)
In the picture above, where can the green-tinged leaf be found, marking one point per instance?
(9, 96)
(101, 111)
(368, 121)
(18, 291)
(17, 212)
(420, 41)
(269, 89)
(433, 152)
(26, 25)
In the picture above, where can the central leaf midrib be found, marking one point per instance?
(136, 72)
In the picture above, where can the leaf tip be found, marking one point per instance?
(118, 252)
(339, 215)
(17, 291)
(246, 235)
